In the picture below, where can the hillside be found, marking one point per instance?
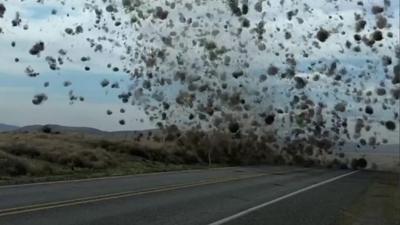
(7, 128)
(58, 129)
(31, 156)
(43, 152)
(30, 153)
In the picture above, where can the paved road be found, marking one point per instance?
(290, 196)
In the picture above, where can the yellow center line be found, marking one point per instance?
(104, 197)
(114, 177)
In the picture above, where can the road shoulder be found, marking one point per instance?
(380, 203)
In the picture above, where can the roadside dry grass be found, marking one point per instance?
(38, 156)
(33, 157)
(380, 205)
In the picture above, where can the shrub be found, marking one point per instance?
(108, 145)
(354, 164)
(336, 164)
(308, 163)
(298, 160)
(79, 161)
(137, 151)
(22, 150)
(279, 160)
(186, 157)
(44, 170)
(203, 155)
(12, 166)
(343, 166)
(46, 129)
(40, 169)
(159, 155)
(360, 163)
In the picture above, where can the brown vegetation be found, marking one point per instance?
(44, 154)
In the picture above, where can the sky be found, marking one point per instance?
(17, 89)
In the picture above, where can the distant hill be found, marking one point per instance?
(382, 148)
(7, 128)
(52, 128)
(57, 128)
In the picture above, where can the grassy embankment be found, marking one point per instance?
(42, 157)
(38, 156)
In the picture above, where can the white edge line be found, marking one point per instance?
(247, 211)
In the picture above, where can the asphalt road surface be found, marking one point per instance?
(236, 195)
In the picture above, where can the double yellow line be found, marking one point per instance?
(98, 198)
